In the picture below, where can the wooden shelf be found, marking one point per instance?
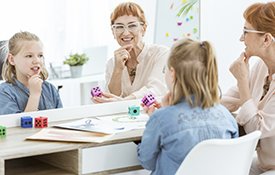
(32, 166)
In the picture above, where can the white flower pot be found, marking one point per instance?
(76, 71)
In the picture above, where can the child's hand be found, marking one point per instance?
(35, 85)
(149, 110)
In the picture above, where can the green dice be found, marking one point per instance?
(133, 111)
(3, 131)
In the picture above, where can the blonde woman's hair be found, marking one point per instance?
(196, 74)
(15, 45)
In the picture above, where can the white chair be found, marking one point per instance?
(221, 156)
(271, 172)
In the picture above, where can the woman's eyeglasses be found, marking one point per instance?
(245, 31)
(131, 27)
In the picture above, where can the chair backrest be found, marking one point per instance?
(221, 156)
(3, 54)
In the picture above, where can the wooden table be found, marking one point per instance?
(20, 156)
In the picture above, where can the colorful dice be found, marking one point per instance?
(26, 122)
(41, 122)
(96, 92)
(133, 111)
(148, 100)
(3, 131)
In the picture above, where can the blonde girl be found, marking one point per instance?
(191, 111)
(25, 88)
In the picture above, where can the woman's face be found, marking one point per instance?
(128, 30)
(252, 40)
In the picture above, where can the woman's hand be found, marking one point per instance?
(122, 55)
(240, 68)
(106, 97)
(35, 85)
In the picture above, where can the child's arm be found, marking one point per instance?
(35, 88)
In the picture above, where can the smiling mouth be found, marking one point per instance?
(126, 39)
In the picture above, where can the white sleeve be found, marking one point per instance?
(108, 73)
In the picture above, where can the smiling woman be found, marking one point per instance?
(136, 68)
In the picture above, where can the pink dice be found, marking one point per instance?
(96, 92)
(148, 100)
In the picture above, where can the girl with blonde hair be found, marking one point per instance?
(25, 88)
(190, 113)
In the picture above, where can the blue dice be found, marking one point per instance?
(26, 122)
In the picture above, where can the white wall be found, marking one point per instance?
(222, 23)
(67, 26)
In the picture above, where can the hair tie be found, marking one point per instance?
(202, 44)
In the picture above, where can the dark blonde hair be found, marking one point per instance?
(261, 16)
(130, 9)
(196, 73)
(15, 45)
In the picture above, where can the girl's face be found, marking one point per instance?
(169, 77)
(28, 61)
(128, 30)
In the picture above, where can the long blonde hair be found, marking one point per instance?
(15, 45)
(196, 73)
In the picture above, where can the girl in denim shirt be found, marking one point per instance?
(24, 89)
(190, 112)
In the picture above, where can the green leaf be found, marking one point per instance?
(186, 8)
(76, 59)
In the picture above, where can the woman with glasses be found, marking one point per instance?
(254, 95)
(137, 68)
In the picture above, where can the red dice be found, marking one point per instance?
(41, 122)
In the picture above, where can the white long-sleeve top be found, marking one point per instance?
(256, 114)
(150, 77)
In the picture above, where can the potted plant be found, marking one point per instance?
(76, 62)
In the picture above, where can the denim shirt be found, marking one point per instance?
(173, 131)
(14, 97)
